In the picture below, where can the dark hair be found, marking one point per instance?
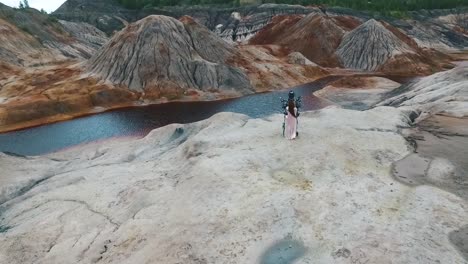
(291, 106)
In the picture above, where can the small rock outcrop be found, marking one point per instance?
(298, 58)
(357, 92)
(160, 54)
(370, 46)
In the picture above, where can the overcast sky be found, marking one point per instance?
(47, 5)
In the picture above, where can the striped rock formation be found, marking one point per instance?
(370, 46)
(160, 54)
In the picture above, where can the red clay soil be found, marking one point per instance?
(460, 30)
(316, 36)
(275, 30)
(354, 82)
(7, 70)
(268, 68)
(425, 61)
(188, 20)
(55, 93)
(346, 22)
(411, 64)
(402, 36)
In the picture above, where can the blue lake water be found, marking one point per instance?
(139, 121)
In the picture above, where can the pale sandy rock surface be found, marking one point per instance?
(442, 93)
(231, 190)
(357, 92)
(15, 45)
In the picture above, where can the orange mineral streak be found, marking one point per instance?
(316, 36)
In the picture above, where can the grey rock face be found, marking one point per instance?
(435, 34)
(109, 16)
(31, 37)
(298, 58)
(253, 19)
(441, 93)
(369, 46)
(426, 27)
(159, 53)
(460, 239)
(85, 33)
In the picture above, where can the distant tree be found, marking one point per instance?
(21, 5)
(43, 11)
(26, 3)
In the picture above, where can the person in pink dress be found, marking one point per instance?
(291, 118)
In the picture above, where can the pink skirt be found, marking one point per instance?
(291, 127)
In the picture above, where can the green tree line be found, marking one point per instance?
(370, 5)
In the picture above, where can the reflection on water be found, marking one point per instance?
(139, 121)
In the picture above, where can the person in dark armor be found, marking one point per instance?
(291, 113)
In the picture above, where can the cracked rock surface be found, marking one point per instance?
(231, 190)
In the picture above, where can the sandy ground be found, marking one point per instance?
(231, 190)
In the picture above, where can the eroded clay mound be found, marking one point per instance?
(370, 46)
(316, 36)
(160, 55)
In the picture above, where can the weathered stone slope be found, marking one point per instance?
(110, 16)
(160, 53)
(370, 46)
(30, 37)
(85, 33)
(357, 92)
(16, 46)
(443, 93)
(440, 29)
(316, 36)
(231, 190)
(246, 22)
